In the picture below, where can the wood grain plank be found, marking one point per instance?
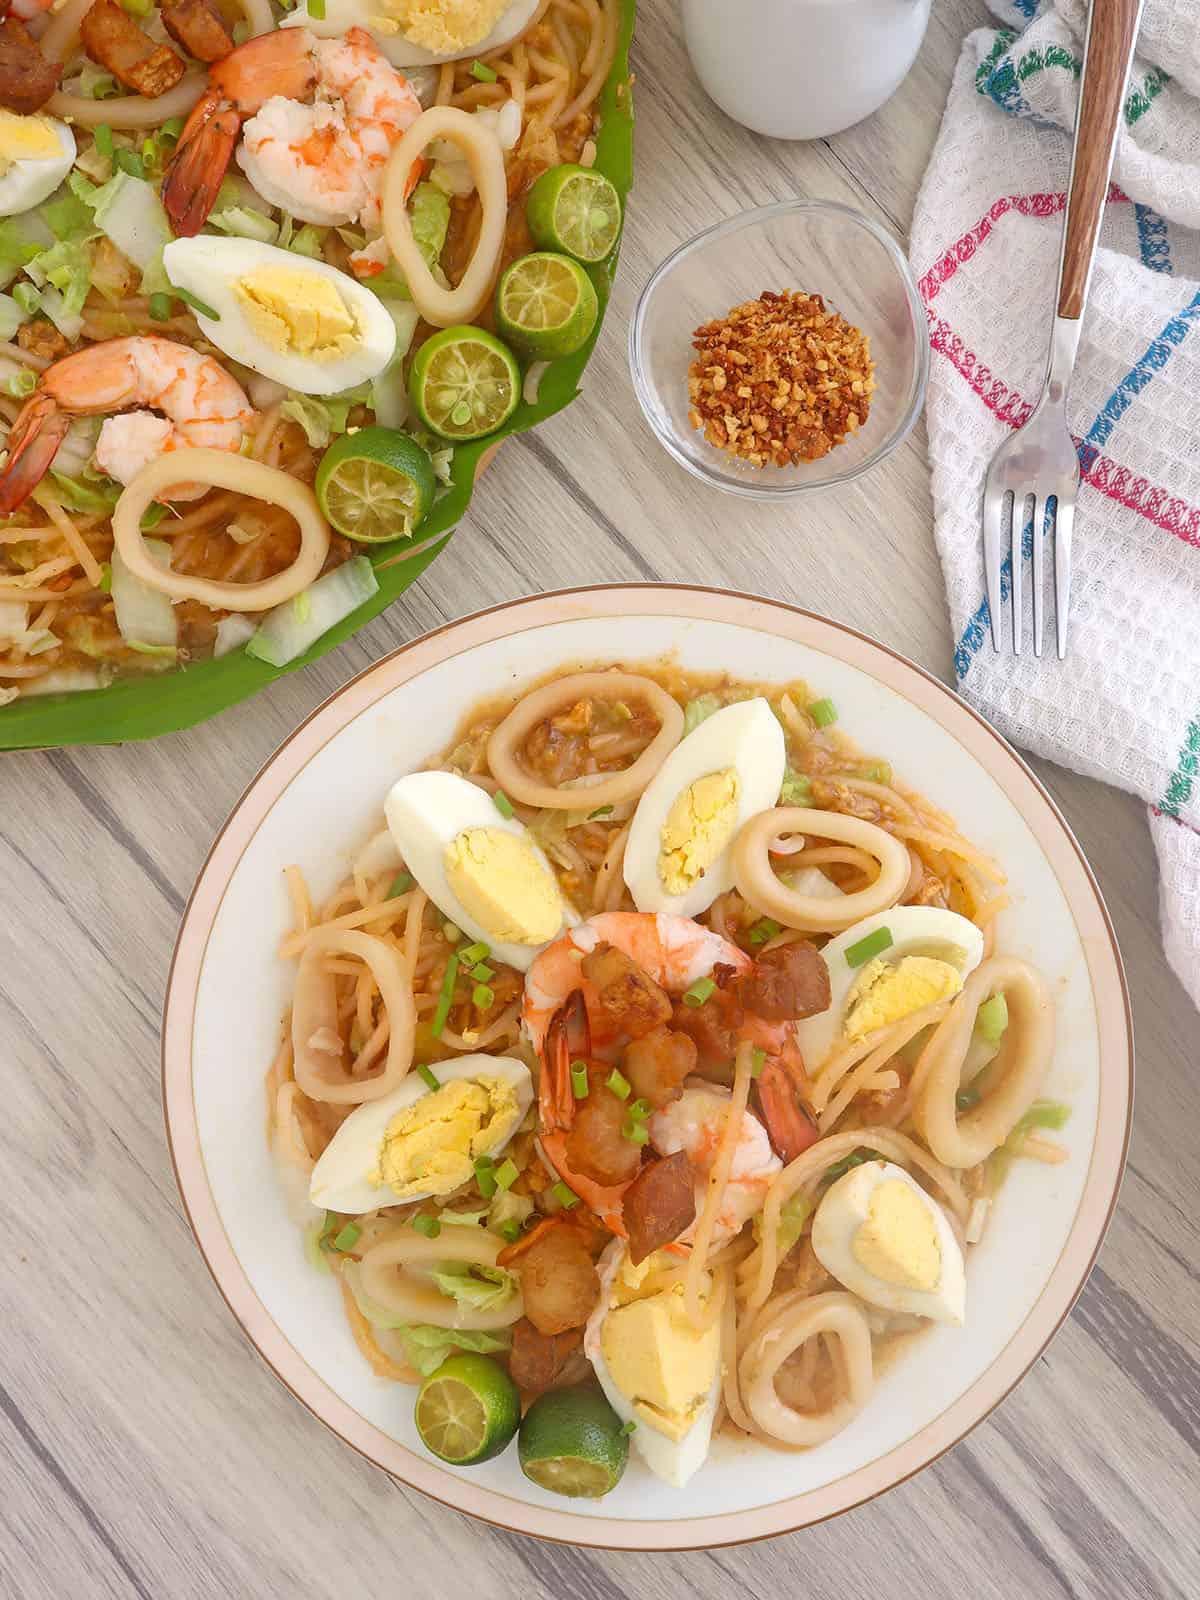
(146, 1450)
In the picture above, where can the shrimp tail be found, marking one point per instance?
(781, 1088)
(568, 1039)
(198, 167)
(32, 445)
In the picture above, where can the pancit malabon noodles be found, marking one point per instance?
(652, 1075)
(237, 239)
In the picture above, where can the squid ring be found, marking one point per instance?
(757, 882)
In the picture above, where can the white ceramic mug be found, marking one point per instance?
(802, 69)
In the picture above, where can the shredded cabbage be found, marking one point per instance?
(11, 316)
(699, 710)
(309, 241)
(426, 1347)
(68, 216)
(507, 1207)
(99, 498)
(322, 418)
(483, 1288)
(243, 223)
(128, 210)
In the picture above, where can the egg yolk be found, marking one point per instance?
(504, 886)
(431, 1146)
(897, 1241)
(699, 825)
(661, 1363)
(25, 139)
(887, 991)
(446, 25)
(298, 313)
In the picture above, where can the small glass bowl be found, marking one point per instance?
(815, 246)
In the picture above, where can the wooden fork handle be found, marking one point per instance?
(1108, 53)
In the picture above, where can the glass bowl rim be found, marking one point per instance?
(753, 217)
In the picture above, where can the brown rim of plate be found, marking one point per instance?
(788, 1515)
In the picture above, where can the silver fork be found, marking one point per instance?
(1040, 461)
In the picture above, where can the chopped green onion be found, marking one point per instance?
(510, 1230)
(992, 1019)
(401, 884)
(565, 1197)
(445, 997)
(763, 930)
(428, 1076)
(621, 711)
(758, 1061)
(700, 991)
(579, 1080)
(966, 1098)
(639, 1110)
(160, 307)
(189, 299)
(502, 803)
(619, 1084)
(316, 10)
(102, 135)
(328, 1228)
(130, 162)
(171, 128)
(104, 86)
(873, 944)
(878, 771)
(600, 811)
(481, 70)
(840, 1168)
(507, 1174)
(21, 384)
(475, 952)
(152, 516)
(26, 296)
(823, 713)
(482, 973)
(150, 152)
(348, 1237)
(429, 1226)
(137, 8)
(483, 996)
(796, 789)
(485, 1176)
(636, 1132)
(451, 934)
(629, 1427)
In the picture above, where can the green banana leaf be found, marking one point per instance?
(145, 707)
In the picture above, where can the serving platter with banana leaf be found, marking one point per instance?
(276, 282)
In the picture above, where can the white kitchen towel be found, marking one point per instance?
(1125, 705)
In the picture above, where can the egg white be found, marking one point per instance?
(28, 183)
(341, 1178)
(208, 267)
(745, 736)
(425, 811)
(841, 1213)
(675, 1461)
(341, 15)
(916, 931)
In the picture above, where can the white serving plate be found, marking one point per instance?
(320, 796)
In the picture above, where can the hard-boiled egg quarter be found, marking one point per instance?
(301, 322)
(422, 33)
(36, 153)
(723, 773)
(889, 1242)
(480, 867)
(886, 967)
(657, 1371)
(421, 1141)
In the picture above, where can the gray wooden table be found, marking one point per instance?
(145, 1449)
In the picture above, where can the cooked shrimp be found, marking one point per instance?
(671, 951)
(694, 1124)
(318, 117)
(200, 405)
